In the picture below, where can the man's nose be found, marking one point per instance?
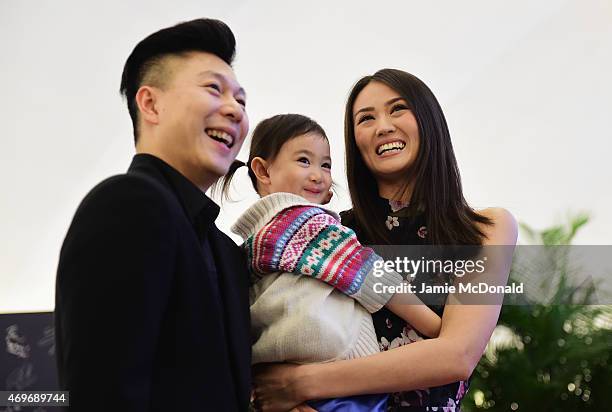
(232, 109)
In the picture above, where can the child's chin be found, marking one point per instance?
(312, 198)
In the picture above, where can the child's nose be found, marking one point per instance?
(315, 176)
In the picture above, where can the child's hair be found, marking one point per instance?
(268, 138)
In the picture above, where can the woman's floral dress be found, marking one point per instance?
(392, 331)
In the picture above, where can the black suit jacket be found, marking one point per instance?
(151, 299)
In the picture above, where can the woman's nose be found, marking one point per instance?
(384, 126)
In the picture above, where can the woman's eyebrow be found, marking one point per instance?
(395, 99)
(365, 109)
(369, 108)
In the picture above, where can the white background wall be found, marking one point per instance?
(525, 86)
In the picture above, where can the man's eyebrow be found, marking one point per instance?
(369, 108)
(222, 78)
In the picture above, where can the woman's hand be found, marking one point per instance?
(303, 408)
(276, 387)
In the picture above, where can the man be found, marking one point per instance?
(151, 298)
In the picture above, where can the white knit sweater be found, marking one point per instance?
(296, 318)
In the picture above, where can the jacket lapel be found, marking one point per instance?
(233, 285)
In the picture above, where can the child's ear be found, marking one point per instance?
(259, 166)
(328, 197)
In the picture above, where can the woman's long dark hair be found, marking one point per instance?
(437, 190)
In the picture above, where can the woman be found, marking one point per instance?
(405, 188)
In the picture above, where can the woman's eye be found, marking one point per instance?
(304, 160)
(397, 107)
(365, 118)
(326, 165)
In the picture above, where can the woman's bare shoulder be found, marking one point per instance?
(503, 230)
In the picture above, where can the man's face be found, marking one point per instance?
(202, 120)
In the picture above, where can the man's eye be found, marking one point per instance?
(304, 160)
(214, 86)
(365, 118)
(241, 102)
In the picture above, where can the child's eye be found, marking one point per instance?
(365, 118)
(326, 165)
(304, 160)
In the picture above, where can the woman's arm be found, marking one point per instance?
(452, 356)
(416, 313)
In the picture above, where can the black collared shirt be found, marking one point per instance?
(201, 210)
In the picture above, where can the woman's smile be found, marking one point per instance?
(390, 148)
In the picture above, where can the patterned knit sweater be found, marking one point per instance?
(312, 283)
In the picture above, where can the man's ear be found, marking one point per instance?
(259, 166)
(147, 102)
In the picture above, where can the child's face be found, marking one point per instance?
(302, 167)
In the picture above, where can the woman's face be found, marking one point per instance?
(386, 132)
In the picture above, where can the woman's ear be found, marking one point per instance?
(259, 166)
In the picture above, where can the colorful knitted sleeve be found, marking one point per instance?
(305, 240)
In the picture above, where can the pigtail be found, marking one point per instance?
(221, 187)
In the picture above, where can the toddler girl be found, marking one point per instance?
(312, 289)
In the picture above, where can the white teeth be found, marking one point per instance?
(220, 135)
(390, 146)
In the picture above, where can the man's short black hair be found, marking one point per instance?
(146, 60)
